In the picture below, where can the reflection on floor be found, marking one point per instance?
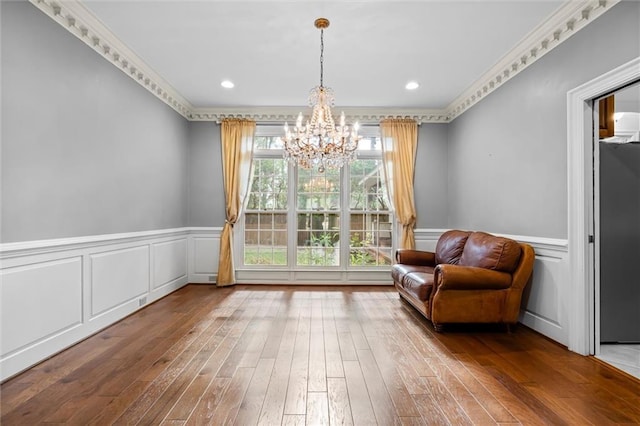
(622, 356)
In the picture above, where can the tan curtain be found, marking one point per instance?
(237, 148)
(399, 145)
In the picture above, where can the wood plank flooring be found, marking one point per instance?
(291, 355)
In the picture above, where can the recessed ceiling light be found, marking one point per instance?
(412, 85)
(227, 84)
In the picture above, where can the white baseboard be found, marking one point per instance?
(314, 277)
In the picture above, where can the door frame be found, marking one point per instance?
(581, 295)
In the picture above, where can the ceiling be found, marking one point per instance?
(271, 49)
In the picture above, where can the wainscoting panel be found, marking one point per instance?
(169, 262)
(44, 298)
(544, 310)
(52, 290)
(118, 277)
(55, 293)
(204, 252)
(426, 239)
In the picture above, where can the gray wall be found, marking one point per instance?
(431, 176)
(206, 192)
(85, 149)
(508, 154)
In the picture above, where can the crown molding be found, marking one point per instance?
(562, 24)
(567, 20)
(282, 114)
(81, 22)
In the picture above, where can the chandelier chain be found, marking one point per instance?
(321, 57)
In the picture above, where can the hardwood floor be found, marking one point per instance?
(312, 355)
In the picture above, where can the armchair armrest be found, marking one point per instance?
(456, 277)
(415, 257)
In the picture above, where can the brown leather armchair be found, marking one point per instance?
(472, 277)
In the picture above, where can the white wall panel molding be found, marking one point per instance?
(426, 239)
(117, 277)
(22, 248)
(565, 22)
(54, 293)
(541, 243)
(204, 249)
(169, 262)
(545, 297)
(79, 286)
(51, 290)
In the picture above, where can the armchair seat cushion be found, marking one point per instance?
(400, 271)
(419, 284)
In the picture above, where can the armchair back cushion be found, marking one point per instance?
(490, 252)
(450, 245)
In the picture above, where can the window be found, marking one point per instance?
(265, 241)
(318, 218)
(299, 218)
(370, 220)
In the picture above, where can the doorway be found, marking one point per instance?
(616, 227)
(580, 291)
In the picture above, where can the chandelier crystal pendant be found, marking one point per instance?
(320, 143)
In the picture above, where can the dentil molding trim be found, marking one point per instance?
(562, 24)
(290, 114)
(82, 23)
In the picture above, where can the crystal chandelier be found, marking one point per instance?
(320, 142)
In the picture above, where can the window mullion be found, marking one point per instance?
(292, 222)
(345, 213)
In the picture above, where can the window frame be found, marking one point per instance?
(291, 271)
